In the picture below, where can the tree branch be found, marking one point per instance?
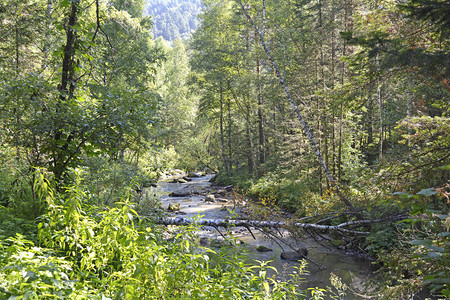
(183, 221)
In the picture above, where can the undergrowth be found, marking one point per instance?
(87, 252)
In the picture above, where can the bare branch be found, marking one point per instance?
(183, 221)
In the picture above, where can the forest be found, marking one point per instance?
(174, 19)
(332, 112)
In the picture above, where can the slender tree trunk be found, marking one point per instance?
(319, 129)
(333, 67)
(48, 33)
(324, 88)
(339, 164)
(250, 155)
(17, 49)
(66, 89)
(369, 123)
(222, 138)
(230, 124)
(16, 67)
(260, 112)
(380, 107)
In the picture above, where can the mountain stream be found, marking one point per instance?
(192, 200)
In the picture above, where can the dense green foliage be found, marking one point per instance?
(85, 253)
(93, 109)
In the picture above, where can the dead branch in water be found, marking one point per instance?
(226, 223)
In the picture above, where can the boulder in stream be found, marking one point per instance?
(221, 192)
(228, 188)
(223, 200)
(262, 248)
(204, 241)
(195, 174)
(295, 255)
(179, 180)
(210, 198)
(219, 243)
(181, 193)
(148, 184)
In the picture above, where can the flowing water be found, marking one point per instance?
(353, 271)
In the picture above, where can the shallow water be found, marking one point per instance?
(353, 271)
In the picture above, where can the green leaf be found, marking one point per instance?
(444, 234)
(427, 192)
(447, 167)
(434, 255)
(446, 292)
(437, 280)
(416, 209)
(436, 248)
(421, 242)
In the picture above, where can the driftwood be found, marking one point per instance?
(226, 223)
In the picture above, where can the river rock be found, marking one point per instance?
(210, 198)
(178, 180)
(295, 255)
(182, 193)
(262, 248)
(187, 179)
(179, 172)
(204, 241)
(149, 184)
(221, 192)
(213, 178)
(223, 200)
(228, 188)
(219, 243)
(195, 174)
(173, 207)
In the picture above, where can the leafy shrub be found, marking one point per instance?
(420, 257)
(11, 225)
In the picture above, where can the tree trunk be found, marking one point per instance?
(380, 107)
(260, 110)
(226, 223)
(66, 89)
(222, 138)
(230, 153)
(250, 154)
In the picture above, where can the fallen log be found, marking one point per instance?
(226, 223)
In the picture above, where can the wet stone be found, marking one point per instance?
(204, 241)
(210, 198)
(219, 243)
(180, 194)
(262, 248)
(295, 255)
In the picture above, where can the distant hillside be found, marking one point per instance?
(174, 18)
